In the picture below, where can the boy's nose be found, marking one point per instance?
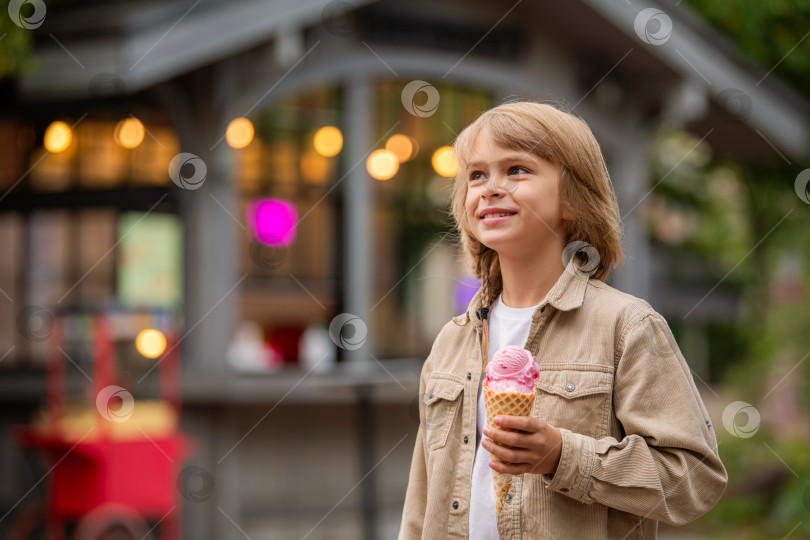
(493, 188)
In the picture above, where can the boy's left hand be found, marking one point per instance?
(534, 448)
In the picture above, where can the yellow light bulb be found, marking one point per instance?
(150, 342)
(239, 133)
(328, 141)
(57, 137)
(444, 162)
(382, 164)
(401, 145)
(129, 133)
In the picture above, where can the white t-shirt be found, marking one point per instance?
(507, 326)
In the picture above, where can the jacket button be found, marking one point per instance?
(469, 376)
(508, 497)
(455, 505)
(431, 395)
(466, 439)
(570, 387)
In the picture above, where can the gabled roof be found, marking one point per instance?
(146, 43)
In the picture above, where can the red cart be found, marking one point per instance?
(113, 474)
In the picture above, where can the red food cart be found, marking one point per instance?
(113, 464)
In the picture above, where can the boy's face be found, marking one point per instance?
(522, 184)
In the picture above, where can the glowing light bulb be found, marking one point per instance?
(150, 342)
(444, 162)
(328, 141)
(382, 164)
(57, 137)
(402, 147)
(272, 221)
(239, 133)
(129, 133)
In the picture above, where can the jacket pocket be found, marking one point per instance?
(441, 401)
(576, 397)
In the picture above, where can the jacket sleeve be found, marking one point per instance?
(413, 513)
(667, 466)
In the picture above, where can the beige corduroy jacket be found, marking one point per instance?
(637, 442)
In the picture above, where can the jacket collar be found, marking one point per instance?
(567, 293)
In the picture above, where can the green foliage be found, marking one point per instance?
(15, 48)
(755, 226)
(769, 32)
(765, 498)
(699, 207)
(748, 220)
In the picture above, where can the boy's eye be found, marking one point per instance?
(516, 170)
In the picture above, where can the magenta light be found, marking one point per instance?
(272, 221)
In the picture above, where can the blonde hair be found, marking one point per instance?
(587, 200)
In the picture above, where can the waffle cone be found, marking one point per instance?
(511, 404)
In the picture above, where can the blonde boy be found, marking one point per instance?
(619, 437)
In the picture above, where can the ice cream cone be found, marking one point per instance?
(511, 404)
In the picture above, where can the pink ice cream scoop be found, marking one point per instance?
(512, 369)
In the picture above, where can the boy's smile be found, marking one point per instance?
(494, 214)
(513, 199)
